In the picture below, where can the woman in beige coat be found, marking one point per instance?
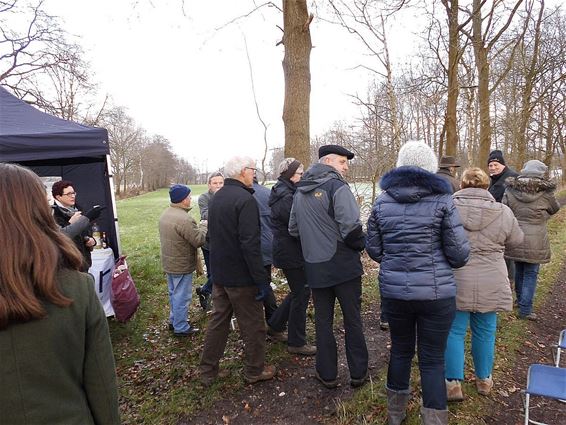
(482, 284)
(531, 198)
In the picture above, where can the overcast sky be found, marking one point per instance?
(182, 77)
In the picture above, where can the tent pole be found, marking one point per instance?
(114, 209)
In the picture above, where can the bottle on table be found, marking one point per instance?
(104, 241)
(97, 235)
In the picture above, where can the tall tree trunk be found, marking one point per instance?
(526, 96)
(482, 65)
(296, 69)
(453, 60)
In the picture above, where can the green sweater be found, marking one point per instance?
(60, 370)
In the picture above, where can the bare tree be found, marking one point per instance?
(296, 70)
(125, 139)
(33, 43)
(487, 30)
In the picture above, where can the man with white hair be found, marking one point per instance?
(240, 282)
(326, 217)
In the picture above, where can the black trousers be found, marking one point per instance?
(349, 295)
(293, 310)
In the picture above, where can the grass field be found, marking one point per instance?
(157, 373)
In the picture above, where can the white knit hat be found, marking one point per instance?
(418, 154)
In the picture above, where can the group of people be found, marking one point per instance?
(445, 245)
(442, 252)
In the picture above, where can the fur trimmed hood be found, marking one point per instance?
(528, 189)
(411, 184)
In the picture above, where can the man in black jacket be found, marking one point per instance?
(498, 173)
(326, 217)
(240, 281)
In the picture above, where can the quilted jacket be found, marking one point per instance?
(415, 232)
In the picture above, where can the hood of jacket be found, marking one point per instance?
(477, 208)
(529, 189)
(317, 175)
(282, 188)
(409, 184)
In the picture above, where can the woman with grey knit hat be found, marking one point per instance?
(531, 198)
(415, 233)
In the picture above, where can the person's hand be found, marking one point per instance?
(94, 212)
(264, 291)
(75, 217)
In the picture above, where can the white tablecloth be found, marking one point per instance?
(102, 269)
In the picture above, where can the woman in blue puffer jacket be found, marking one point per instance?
(415, 233)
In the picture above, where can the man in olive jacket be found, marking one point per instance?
(180, 236)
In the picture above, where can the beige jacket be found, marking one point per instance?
(532, 201)
(482, 284)
(180, 236)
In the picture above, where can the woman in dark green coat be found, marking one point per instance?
(57, 365)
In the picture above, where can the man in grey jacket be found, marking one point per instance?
(326, 217)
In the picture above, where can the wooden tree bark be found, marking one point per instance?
(296, 69)
(453, 88)
(527, 93)
(482, 65)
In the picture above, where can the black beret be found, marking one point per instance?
(335, 149)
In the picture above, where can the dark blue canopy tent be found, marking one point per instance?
(51, 146)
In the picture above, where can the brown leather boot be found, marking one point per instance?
(484, 386)
(454, 391)
(267, 373)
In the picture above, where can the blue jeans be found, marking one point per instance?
(526, 275)
(180, 295)
(483, 326)
(426, 323)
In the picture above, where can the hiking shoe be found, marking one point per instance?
(305, 350)
(454, 390)
(328, 384)
(384, 326)
(191, 331)
(532, 316)
(207, 381)
(355, 383)
(484, 386)
(171, 328)
(267, 374)
(204, 299)
(275, 335)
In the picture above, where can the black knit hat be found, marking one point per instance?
(496, 156)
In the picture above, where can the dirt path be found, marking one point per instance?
(295, 397)
(539, 337)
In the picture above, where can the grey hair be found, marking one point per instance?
(236, 164)
(215, 174)
(323, 158)
(284, 165)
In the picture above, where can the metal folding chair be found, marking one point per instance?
(544, 381)
(559, 347)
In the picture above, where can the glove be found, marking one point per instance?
(94, 212)
(264, 291)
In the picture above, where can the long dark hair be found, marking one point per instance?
(33, 248)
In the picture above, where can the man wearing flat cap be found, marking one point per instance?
(180, 236)
(326, 218)
(447, 170)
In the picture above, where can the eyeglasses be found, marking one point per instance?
(70, 194)
(251, 168)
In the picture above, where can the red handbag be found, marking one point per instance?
(124, 297)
